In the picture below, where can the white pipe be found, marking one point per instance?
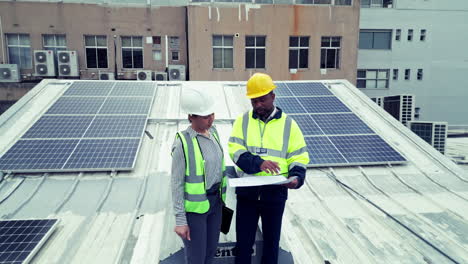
(167, 53)
(3, 43)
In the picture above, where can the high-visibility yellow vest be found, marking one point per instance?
(279, 140)
(195, 179)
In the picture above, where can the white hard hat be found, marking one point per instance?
(196, 102)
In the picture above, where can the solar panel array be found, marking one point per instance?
(92, 126)
(21, 239)
(335, 136)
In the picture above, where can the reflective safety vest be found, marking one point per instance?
(280, 140)
(195, 179)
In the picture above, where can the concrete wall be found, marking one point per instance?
(443, 92)
(277, 23)
(77, 20)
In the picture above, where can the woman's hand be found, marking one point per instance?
(183, 231)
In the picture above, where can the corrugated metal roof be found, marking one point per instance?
(413, 213)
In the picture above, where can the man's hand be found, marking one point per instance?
(269, 166)
(293, 184)
(183, 231)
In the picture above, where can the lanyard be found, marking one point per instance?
(262, 131)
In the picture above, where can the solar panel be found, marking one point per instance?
(59, 127)
(282, 90)
(366, 149)
(321, 151)
(308, 89)
(117, 126)
(127, 105)
(104, 153)
(307, 125)
(289, 105)
(133, 89)
(100, 88)
(76, 105)
(21, 239)
(28, 155)
(333, 124)
(322, 105)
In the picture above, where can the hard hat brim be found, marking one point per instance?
(256, 95)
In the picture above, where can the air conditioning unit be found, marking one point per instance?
(160, 76)
(176, 72)
(378, 100)
(400, 106)
(68, 63)
(9, 73)
(44, 63)
(106, 75)
(434, 133)
(144, 75)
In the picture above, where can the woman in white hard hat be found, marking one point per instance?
(198, 178)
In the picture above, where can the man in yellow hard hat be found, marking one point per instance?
(265, 141)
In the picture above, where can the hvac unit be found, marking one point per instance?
(400, 106)
(176, 72)
(44, 63)
(9, 73)
(68, 63)
(144, 75)
(378, 100)
(160, 76)
(106, 75)
(434, 133)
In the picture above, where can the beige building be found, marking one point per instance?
(215, 41)
(291, 42)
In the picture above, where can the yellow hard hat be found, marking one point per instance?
(259, 85)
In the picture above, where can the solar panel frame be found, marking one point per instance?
(89, 88)
(52, 126)
(322, 152)
(76, 105)
(325, 104)
(18, 243)
(290, 105)
(346, 123)
(34, 155)
(105, 126)
(308, 89)
(146, 89)
(307, 125)
(100, 159)
(282, 90)
(126, 105)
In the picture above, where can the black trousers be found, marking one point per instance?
(204, 233)
(267, 206)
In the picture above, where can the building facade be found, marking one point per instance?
(416, 47)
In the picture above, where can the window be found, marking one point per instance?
(19, 50)
(255, 52)
(316, 2)
(298, 52)
(372, 78)
(377, 3)
(410, 35)
(420, 74)
(407, 74)
(343, 2)
(96, 52)
(423, 35)
(157, 42)
(132, 52)
(175, 55)
(223, 49)
(157, 55)
(54, 43)
(375, 39)
(330, 53)
(398, 34)
(174, 43)
(395, 74)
